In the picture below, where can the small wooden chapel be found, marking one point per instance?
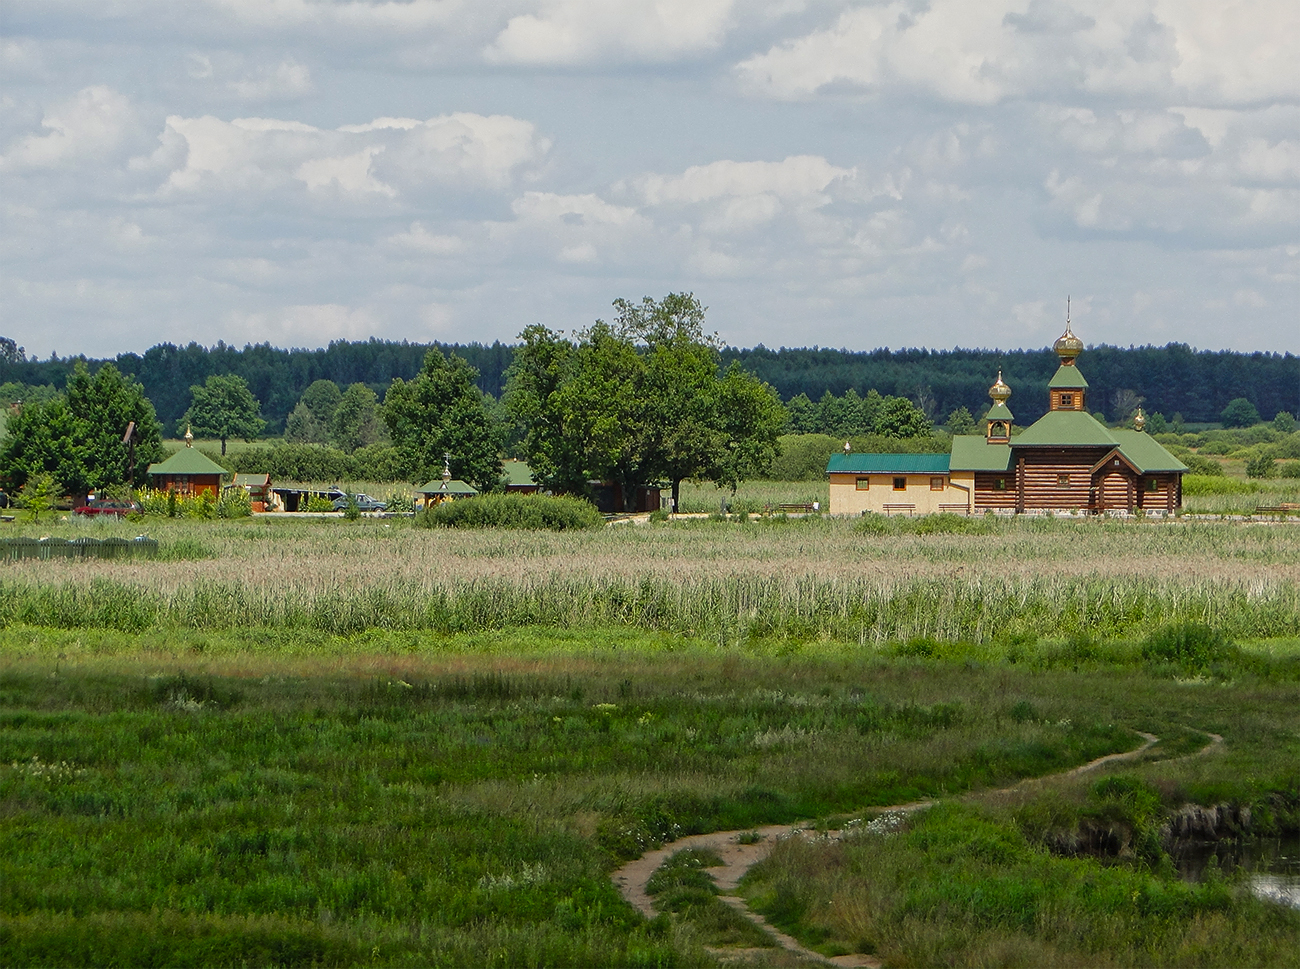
(1066, 461)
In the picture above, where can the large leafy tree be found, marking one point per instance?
(224, 407)
(355, 422)
(639, 400)
(441, 411)
(77, 437)
(309, 422)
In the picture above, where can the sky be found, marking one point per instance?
(817, 172)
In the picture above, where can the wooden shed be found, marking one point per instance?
(258, 487)
(188, 472)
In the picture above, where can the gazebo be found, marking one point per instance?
(445, 488)
(187, 472)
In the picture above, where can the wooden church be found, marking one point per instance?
(1066, 461)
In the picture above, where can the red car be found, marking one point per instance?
(107, 506)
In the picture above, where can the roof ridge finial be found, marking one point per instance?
(189, 436)
(1067, 312)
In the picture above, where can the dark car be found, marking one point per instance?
(364, 503)
(107, 506)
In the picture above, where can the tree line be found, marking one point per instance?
(1173, 379)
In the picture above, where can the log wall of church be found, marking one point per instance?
(1057, 479)
(988, 495)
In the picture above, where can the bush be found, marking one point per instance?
(1261, 466)
(513, 511)
(400, 501)
(1206, 467)
(1193, 645)
(1284, 422)
(317, 503)
(234, 503)
(1289, 469)
(1240, 413)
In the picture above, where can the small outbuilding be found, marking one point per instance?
(519, 477)
(187, 472)
(258, 487)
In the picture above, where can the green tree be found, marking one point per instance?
(1284, 422)
(103, 407)
(899, 417)
(1261, 466)
(637, 401)
(803, 414)
(1156, 423)
(355, 422)
(77, 437)
(440, 411)
(39, 494)
(960, 422)
(224, 407)
(1239, 413)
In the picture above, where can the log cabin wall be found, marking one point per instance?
(1157, 492)
(1116, 490)
(988, 495)
(1058, 479)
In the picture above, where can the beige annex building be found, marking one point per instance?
(1064, 461)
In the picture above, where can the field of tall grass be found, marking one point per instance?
(325, 742)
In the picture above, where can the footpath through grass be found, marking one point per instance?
(399, 799)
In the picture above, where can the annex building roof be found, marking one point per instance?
(970, 452)
(187, 461)
(888, 463)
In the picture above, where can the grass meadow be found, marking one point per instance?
(363, 743)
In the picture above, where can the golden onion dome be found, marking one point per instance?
(1000, 391)
(1139, 420)
(1068, 346)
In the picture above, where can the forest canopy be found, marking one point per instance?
(1173, 379)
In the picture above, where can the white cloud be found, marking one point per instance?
(305, 325)
(569, 32)
(349, 174)
(286, 81)
(81, 130)
(381, 158)
(419, 238)
(801, 177)
(1198, 52)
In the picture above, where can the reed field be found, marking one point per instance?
(330, 742)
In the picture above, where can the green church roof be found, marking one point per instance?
(453, 487)
(1067, 378)
(854, 463)
(1146, 453)
(999, 412)
(187, 461)
(1066, 427)
(518, 474)
(970, 452)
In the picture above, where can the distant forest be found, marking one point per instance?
(1173, 379)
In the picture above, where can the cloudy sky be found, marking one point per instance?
(867, 174)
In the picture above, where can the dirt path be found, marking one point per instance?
(738, 858)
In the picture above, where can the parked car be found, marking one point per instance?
(364, 503)
(107, 506)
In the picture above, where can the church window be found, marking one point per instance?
(864, 484)
(1063, 480)
(900, 484)
(1067, 400)
(936, 484)
(999, 484)
(1153, 484)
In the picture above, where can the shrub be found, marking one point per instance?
(1261, 466)
(317, 503)
(1289, 469)
(1284, 422)
(513, 511)
(1203, 466)
(400, 500)
(234, 503)
(1192, 645)
(1240, 413)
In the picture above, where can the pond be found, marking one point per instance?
(1271, 865)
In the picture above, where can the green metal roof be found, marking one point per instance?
(1146, 453)
(518, 474)
(453, 487)
(1065, 427)
(999, 412)
(1067, 378)
(970, 452)
(187, 461)
(888, 463)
